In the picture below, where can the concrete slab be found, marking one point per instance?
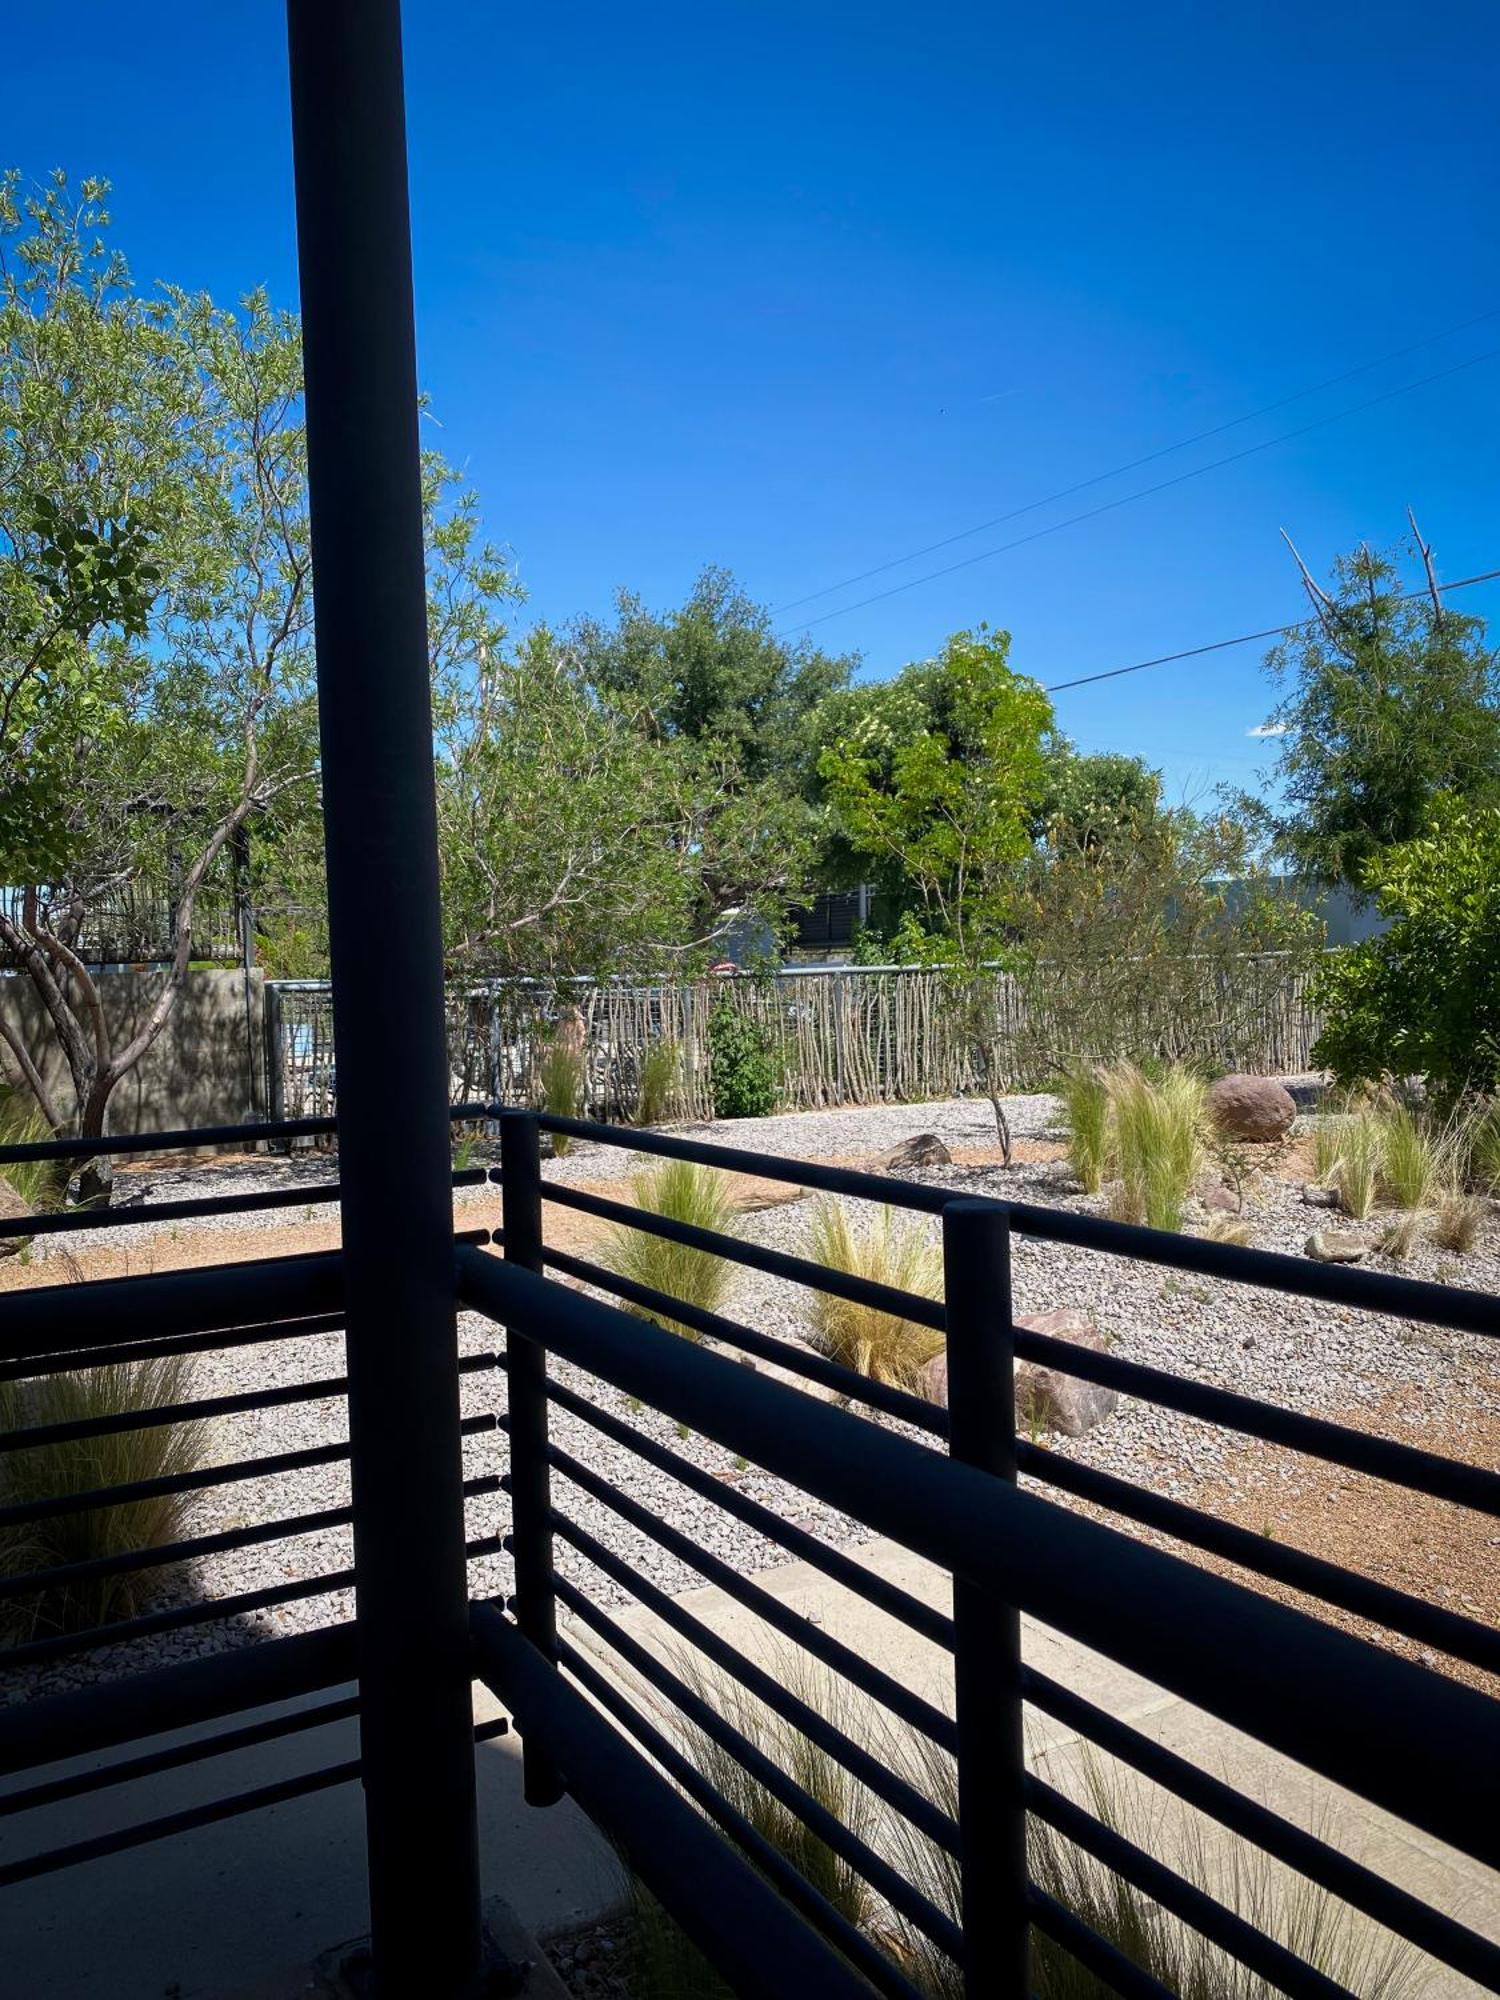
(250, 1902)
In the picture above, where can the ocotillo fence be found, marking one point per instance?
(839, 1035)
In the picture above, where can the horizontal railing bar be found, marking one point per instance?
(731, 1913)
(884, 1595)
(221, 1744)
(1372, 1291)
(207, 1611)
(859, 1762)
(1191, 1905)
(84, 1720)
(67, 1220)
(193, 1817)
(220, 1341)
(125, 1562)
(885, 1880)
(1476, 1957)
(1095, 1953)
(107, 1312)
(206, 1477)
(870, 1679)
(1302, 1686)
(797, 1361)
(39, 1436)
(771, 1862)
(755, 1256)
(1404, 1464)
(194, 1136)
(1449, 1631)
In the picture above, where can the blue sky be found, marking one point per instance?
(799, 289)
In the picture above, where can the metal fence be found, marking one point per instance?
(844, 1035)
(1411, 1740)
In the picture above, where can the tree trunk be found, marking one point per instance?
(96, 1176)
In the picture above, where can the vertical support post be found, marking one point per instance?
(987, 1634)
(380, 834)
(535, 1602)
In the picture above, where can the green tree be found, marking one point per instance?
(1423, 998)
(1098, 795)
(736, 707)
(182, 709)
(1392, 700)
(932, 782)
(565, 831)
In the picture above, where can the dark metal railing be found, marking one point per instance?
(1411, 1740)
(1359, 1715)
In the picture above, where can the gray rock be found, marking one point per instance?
(1329, 1247)
(1257, 1108)
(13, 1209)
(1046, 1398)
(1222, 1201)
(924, 1149)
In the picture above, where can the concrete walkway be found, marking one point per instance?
(243, 1904)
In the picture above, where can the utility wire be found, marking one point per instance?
(1249, 638)
(1143, 492)
(1135, 464)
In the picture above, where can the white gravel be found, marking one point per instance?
(1296, 1353)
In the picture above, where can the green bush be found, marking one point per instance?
(1159, 1142)
(82, 1466)
(1423, 999)
(682, 1192)
(746, 1075)
(40, 1183)
(560, 1074)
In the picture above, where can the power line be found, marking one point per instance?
(1249, 638)
(1135, 464)
(1143, 492)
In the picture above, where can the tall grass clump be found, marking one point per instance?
(663, 1963)
(1460, 1218)
(1412, 1162)
(1158, 1141)
(84, 1465)
(1084, 1090)
(1306, 1919)
(560, 1074)
(681, 1192)
(39, 1183)
(889, 1250)
(1482, 1147)
(1356, 1173)
(661, 1072)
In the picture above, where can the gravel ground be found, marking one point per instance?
(1295, 1353)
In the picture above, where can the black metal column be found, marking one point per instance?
(380, 832)
(988, 1711)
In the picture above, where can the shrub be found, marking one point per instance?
(1327, 1144)
(1411, 1157)
(745, 1073)
(561, 1076)
(1460, 1218)
(1084, 1090)
(83, 1465)
(889, 1250)
(1159, 1141)
(682, 1192)
(1482, 1147)
(661, 1070)
(1423, 998)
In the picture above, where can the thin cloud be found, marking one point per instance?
(1269, 729)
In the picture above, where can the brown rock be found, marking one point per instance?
(1328, 1247)
(13, 1209)
(1046, 1398)
(1251, 1107)
(925, 1149)
(1222, 1201)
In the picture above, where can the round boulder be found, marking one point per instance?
(1257, 1108)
